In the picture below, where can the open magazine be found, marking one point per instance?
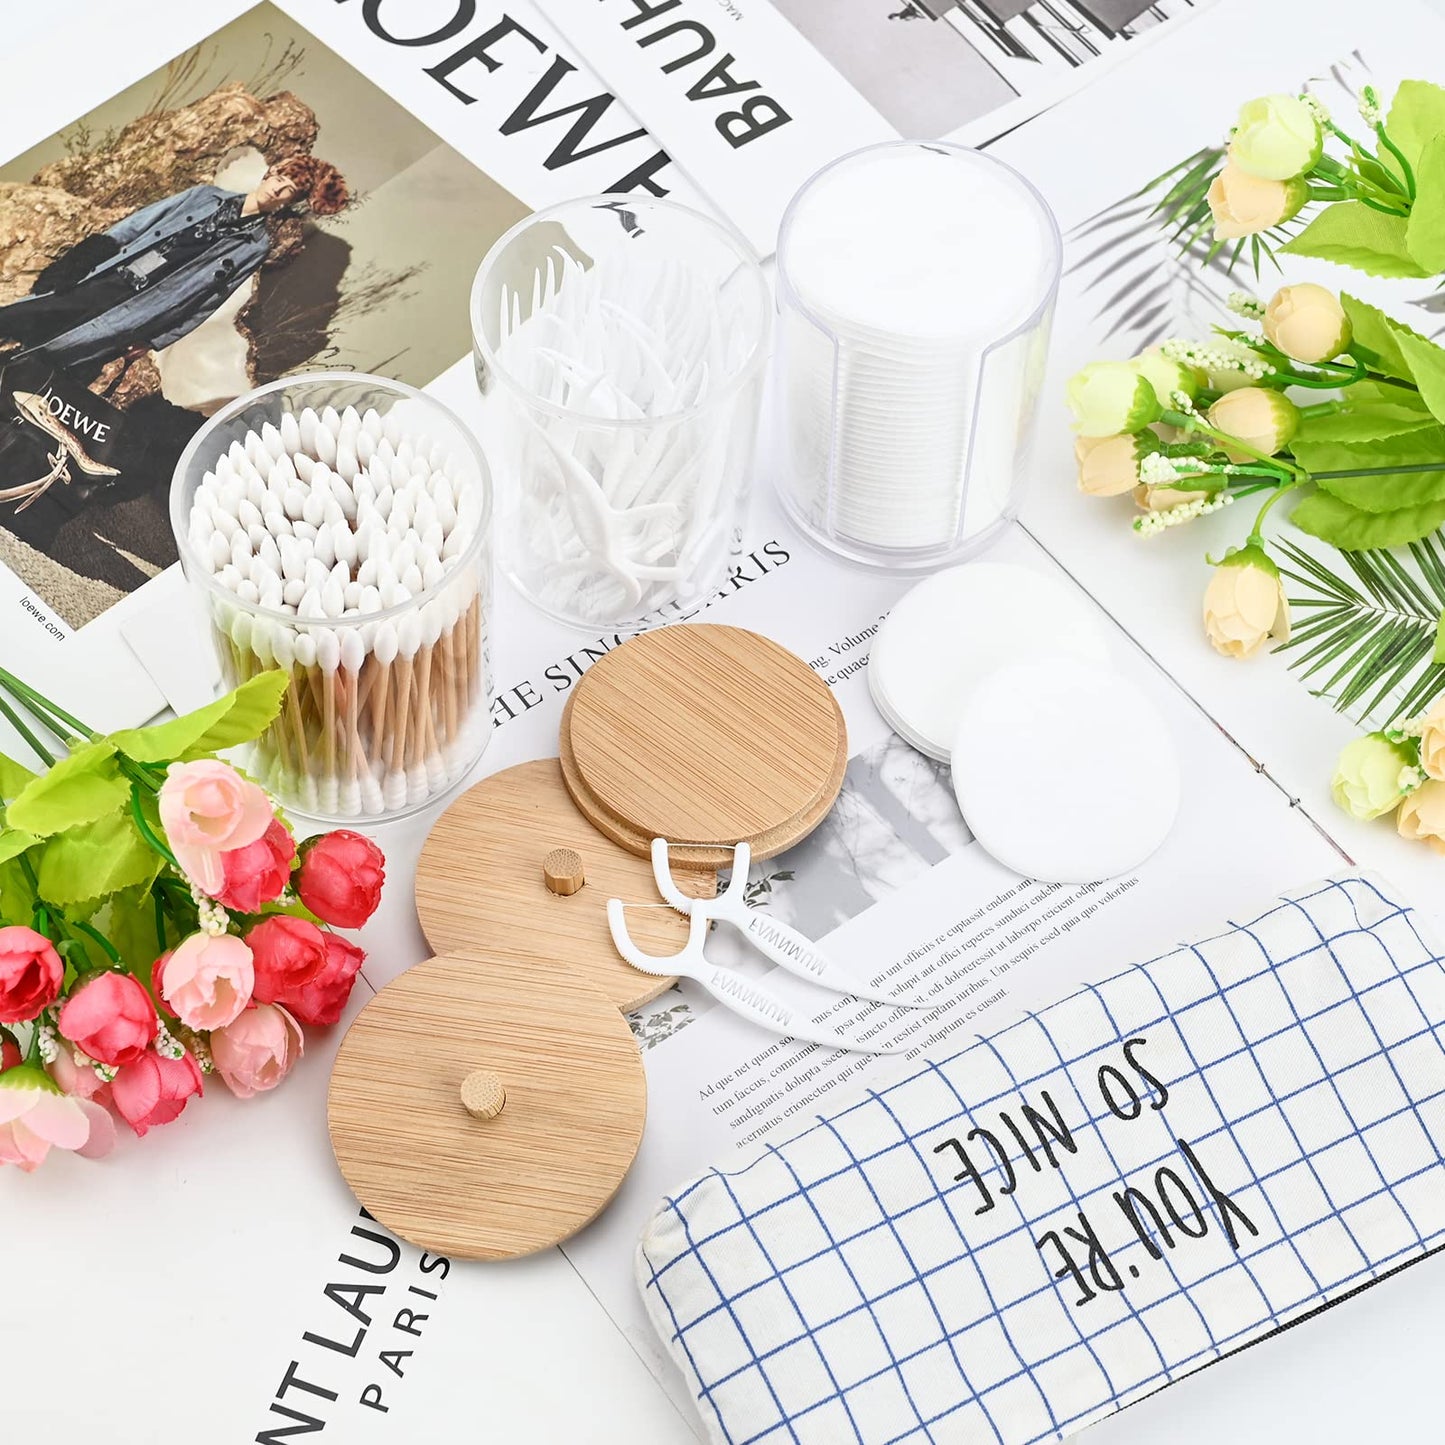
(751, 97)
(253, 206)
(227, 1246)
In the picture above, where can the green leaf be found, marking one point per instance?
(1363, 423)
(1417, 117)
(1439, 653)
(13, 843)
(1386, 491)
(1378, 332)
(238, 717)
(13, 778)
(17, 898)
(129, 921)
(1374, 634)
(1427, 362)
(96, 860)
(83, 786)
(1379, 393)
(1352, 529)
(1425, 230)
(1351, 233)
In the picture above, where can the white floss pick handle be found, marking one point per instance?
(947, 634)
(1065, 771)
(916, 286)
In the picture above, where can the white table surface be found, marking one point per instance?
(1367, 1372)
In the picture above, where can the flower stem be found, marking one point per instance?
(42, 705)
(1379, 471)
(147, 832)
(18, 723)
(1256, 536)
(1405, 168)
(1191, 422)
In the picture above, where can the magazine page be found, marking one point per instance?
(751, 97)
(897, 890)
(259, 202)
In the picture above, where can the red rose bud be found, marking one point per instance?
(110, 1017)
(154, 1089)
(340, 878)
(322, 1000)
(257, 873)
(10, 1055)
(30, 974)
(287, 953)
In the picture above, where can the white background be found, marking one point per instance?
(551, 1368)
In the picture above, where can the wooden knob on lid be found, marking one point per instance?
(562, 871)
(482, 1094)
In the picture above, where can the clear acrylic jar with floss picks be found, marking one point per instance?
(620, 344)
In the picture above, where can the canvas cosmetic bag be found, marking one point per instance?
(1060, 1219)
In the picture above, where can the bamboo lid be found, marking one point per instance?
(482, 882)
(704, 734)
(481, 1109)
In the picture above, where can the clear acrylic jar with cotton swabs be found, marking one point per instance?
(337, 527)
(620, 344)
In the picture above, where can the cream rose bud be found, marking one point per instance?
(1245, 205)
(1109, 397)
(1276, 138)
(1109, 466)
(1432, 740)
(1264, 420)
(1372, 776)
(1166, 376)
(1422, 816)
(1307, 322)
(1244, 604)
(1162, 498)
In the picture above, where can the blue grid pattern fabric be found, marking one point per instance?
(1018, 1240)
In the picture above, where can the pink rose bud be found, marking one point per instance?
(322, 999)
(257, 873)
(79, 1080)
(340, 878)
(110, 1017)
(287, 952)
(256, 1052)
(207, 981)
(35, 1117)
(207, 808)
(30, 974)
(154, 1089)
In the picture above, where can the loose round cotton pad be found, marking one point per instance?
(954, 629)
(1065, 771)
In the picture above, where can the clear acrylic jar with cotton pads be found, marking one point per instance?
(337, 526)
(916, 286)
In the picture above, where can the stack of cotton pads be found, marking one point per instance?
(1064, 770)
(916, 286)
(343, 548)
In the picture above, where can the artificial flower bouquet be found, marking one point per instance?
(1314, 396)
(158, 923)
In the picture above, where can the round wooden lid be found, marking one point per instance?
(704, 734)
(481, 882)
(566, 1100)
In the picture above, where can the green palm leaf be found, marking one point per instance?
(1371, 639)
